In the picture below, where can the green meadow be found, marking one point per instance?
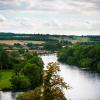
(5, 77)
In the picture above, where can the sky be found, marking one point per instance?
(68, 17)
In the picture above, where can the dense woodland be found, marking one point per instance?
(27, 69)
(82, 56)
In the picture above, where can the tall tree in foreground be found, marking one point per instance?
(51, 88)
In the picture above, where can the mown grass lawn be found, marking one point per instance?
(5, 77)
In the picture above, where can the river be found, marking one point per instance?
(85, 85)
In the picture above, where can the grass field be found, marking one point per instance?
(11, 42)
(5, 77)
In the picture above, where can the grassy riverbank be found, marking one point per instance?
(5, 79)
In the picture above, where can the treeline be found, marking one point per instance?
(29, 38)
(94, 38)
(20, 34)
(42, 37)
(88, 43)
(82, 56)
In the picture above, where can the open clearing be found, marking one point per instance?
(12, 42)
(5, 79)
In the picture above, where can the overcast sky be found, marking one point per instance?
(80, 17)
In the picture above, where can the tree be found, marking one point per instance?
(20, 82)
(0, 75)
(98, 67)
(71, 60)
(21, 50)
(15, 57)
(53, 83)
(52, 46)
(52, 86)
(86, 62)
(18, 67)
(34, 73)
(36, 60)
(4, 59)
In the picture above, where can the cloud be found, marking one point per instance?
(53, 5)
(59, 16)
(2, 18)
(83, 7)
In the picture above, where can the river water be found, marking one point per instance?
(85, 85)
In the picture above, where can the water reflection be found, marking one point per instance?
(8, 95)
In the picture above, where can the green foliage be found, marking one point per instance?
(27, 56)
(18, 67)
(52, 46)
(98, 67)
(82, 56)
(86, 62)
(0, 75)
(34, 46)
(37, 60)
(14, 57)
(21, 51)
(62, 55)
(20, 82)
(35, 94)
(65, 43)
(27, 67)
(9, 59)
(4, 59)
(18, 45)
(34, 73)
(28, 37)
(5, 80)
(30, 67)
(71, 60)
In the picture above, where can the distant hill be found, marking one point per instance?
(90, 39)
